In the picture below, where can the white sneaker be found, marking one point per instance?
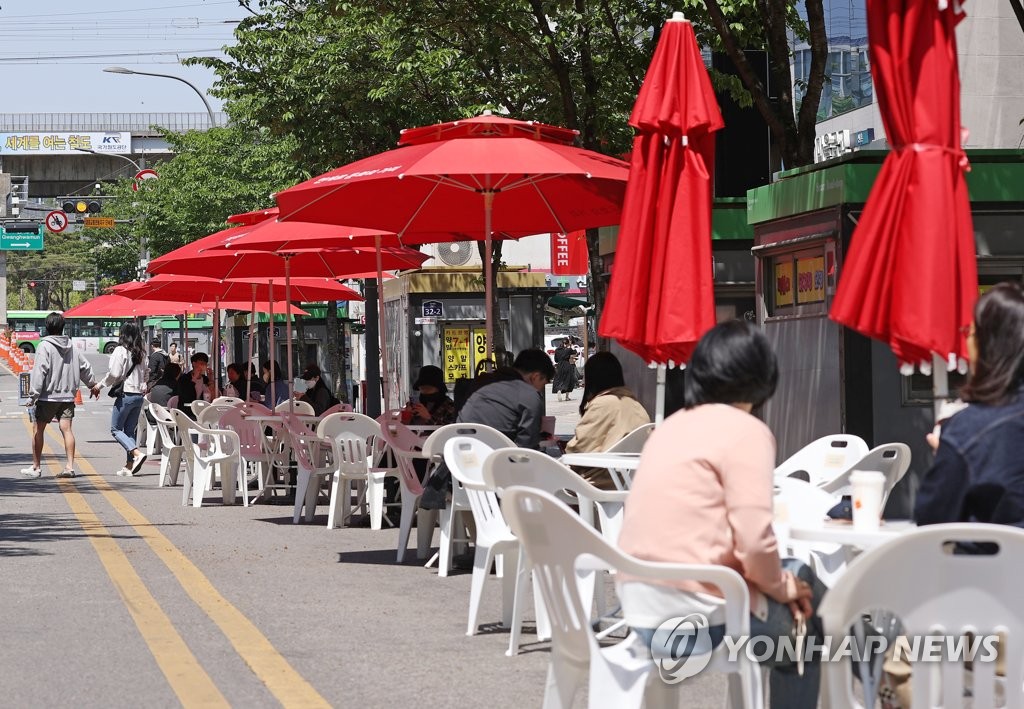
(32, 472)
(124, 472)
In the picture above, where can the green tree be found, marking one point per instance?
(341, 79)
(52, 270)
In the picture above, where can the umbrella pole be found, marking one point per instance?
(270, 345)
(252, 327)
(184, 345)
(488, 279)
(288, 327)
(385, 386)
(940, 384)
(659, 396)
(216, 349)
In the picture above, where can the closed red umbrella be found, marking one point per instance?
(474, 177)
(910, 277)
(661, 297)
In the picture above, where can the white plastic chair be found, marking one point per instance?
(933, 591)
(210, 451)
(433, 448)
(197, 406)
(312, 468)
(632, 442)
(406, 447)
(465, 457)
(209, 416)
(560, 548)
(253, 446)
(354, 465)
(173, 449)
(172, 403)
(892, 459)
(146, 430)
(825, 458)
(527, 468)
(339, 408)
(294, 406)
(800, 503)
(227, 400)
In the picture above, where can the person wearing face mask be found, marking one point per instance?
(433, 407)
(317, 394)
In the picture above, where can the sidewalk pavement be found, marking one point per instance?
(359, 628)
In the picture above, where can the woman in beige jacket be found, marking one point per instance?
(608, 412)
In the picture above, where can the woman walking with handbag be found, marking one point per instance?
(127, 382)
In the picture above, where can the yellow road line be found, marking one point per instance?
(269, 666)
(185, 675)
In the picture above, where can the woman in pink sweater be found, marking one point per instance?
(703, 495)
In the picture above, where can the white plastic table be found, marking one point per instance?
(621, 466)
(839, 532)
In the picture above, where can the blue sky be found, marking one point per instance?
(52, 53)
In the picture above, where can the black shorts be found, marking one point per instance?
(47, 411)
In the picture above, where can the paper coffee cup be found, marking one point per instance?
(867, 488)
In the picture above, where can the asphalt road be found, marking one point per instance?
(115, 595)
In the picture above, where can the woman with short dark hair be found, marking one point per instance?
(978, 473)
(702, 494)
(128, 372)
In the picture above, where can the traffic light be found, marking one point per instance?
(81, 206)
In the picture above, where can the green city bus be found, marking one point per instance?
(89, 334)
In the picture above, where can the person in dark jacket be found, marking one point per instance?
(317, 394)
(567, 376)
(194, 384)
(156, 363)
(978, 473)
(433, 408)
(274, 385)
(513, 402)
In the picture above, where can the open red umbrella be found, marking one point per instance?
(113, 304)
(210, 290)
(203, 257)
(661, 297)
(474, 176)
(910, 277)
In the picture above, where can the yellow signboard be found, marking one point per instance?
(456, 353)
(810, 280)
(100, 222)
(479, 345)
(784, 282)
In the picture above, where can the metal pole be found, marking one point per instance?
(488, 273)
(122, 70)
(288, 323)
(270, 345)
(382, 325)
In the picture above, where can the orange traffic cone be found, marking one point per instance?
(78, 397)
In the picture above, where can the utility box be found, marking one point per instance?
(831, 379)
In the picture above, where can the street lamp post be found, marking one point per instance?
(123, 70)
(137, 165)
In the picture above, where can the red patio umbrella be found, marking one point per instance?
(661, 297)
(201, 258)
(210, 290)
(474, 176)
(910, 277)
(113, 304)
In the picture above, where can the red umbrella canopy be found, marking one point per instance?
(439, 184)
(208, 290)
(253, 217)
(114, 304)
(488, 125)
(295, 237)
(204, 258)
(910, 277)
(661, 297)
